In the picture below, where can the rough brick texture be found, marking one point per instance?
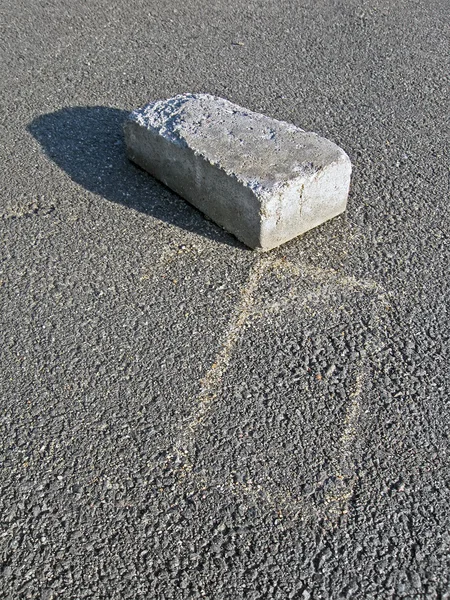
(265, 181)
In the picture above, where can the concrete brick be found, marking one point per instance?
(264, 180)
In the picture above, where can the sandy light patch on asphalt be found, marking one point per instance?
(255, 306)
(211, 382)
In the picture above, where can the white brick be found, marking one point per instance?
(264, 180)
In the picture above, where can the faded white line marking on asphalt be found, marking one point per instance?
(211, 382)
(337, 498)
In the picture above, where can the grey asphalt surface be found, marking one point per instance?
(184, 418)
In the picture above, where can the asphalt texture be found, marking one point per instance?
(181, 417)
